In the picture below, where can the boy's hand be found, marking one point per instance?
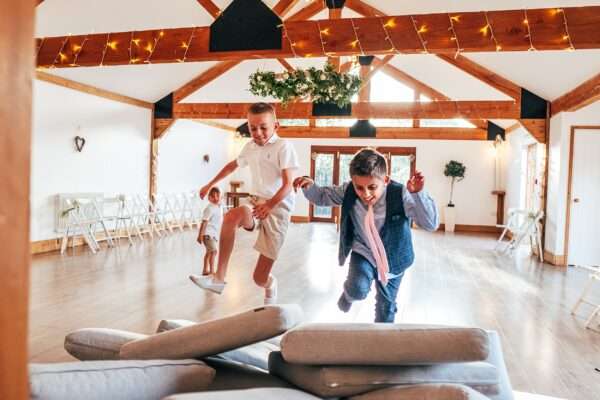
(204, 191)
(261, 211)
(416, 183)
(302, 182)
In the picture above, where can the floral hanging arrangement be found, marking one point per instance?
(318, 85)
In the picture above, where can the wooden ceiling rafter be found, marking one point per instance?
(334, 13)
(361, 110)
(581, 96)
(284, 6)
(161, 126)
(216, 124)
(203, 79)
(286, 65)
(484, 75)
(210, 7)
(92, 90)
(422, 133)
(309, 11)
(547, 28)
(364, 9)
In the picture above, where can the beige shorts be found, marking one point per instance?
(271, 230)
(210, 243)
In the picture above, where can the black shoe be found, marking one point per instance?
(343, 303)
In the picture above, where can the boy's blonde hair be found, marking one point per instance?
(262, 108)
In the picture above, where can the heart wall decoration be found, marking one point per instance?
(79, 143)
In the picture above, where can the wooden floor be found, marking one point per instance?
(456, 279)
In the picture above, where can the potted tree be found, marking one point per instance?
(456, 172)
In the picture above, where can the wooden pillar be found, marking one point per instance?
(365, 91)
(16, 73)
(153, 160)
(499, 206)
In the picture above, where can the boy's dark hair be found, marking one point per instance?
(368, 162)
(214, 190)
(261, 108)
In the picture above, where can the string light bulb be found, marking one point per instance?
(419, 33)
(526, 22)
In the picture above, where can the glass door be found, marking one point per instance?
(323, 168)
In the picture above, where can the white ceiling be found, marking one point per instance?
(548, 74)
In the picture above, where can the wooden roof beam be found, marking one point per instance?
(364, 9)
(284, 6)
(483, 74)
(362, 110)
(308, 12)
(203, 79)
(211, 8)
(192, 44)
(385, 133)
(583, 95)
(286, 65)
(92, 90)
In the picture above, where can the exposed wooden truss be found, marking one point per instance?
(216, 124)
(315, 7)
(82, 87)
(386, 133)
(211, 7)
(536, 127)
(286, 64)
(284, 6)
(407, 34)
(161, 126)
(584, 94)
(204, 78)
(334, 13)
(364, 9)
(483, 74)
(410, 110)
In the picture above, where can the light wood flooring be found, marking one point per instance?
(456, 279)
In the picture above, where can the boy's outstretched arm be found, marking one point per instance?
(326, 196)
(418, 205)
(262, 210)
(223, 173)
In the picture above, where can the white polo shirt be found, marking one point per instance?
(266, 163)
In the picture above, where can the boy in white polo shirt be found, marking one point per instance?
(272, 163)
(212, 219)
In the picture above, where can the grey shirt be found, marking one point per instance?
(419, 207)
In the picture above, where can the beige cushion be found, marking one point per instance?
(348, 380)
(250, 394)
(216, 336)
(382, 344)
(117, 380)
(231, 375)
(98, 343)
(423, 392)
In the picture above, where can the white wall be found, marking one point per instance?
(560, 131)
(180, 162)
(115, 158)
(475, 205)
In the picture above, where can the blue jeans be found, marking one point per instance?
(361, 274)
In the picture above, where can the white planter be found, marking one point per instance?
(449, 218)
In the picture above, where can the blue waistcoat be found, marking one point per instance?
(395, 233)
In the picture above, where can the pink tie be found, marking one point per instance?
(376, 246)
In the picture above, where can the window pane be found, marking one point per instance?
(387, 89)
(335, 122)
(345, 167)
(293, 122)
(400, 168)
(393, 123)
(447, 123)
(323, 177)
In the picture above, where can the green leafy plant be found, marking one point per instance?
(321, 86)
(456, 171)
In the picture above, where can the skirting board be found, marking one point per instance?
(300, 219)
(474, 228)
(555, 259)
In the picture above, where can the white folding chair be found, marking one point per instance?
(522, 224)
(150, 219)
(594, 276)
(83, 218)
(115, 212)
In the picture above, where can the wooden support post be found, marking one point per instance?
(16, 74)
(153, 160)
(499, 206)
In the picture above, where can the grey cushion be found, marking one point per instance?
(231, 375)
(252, 394)
(256, 355)
(348, 380)
(98, 343)
(216, 336)
(423, 392)
(170, 324)
(117, 380)
(497, 359)
(383, 344)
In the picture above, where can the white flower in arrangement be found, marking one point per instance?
(323, 77)
(286, 75)
(348, 85)
(258, 78)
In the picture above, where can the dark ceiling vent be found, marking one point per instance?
(164, 107)
(363, 128)
(335, 3)
(243, 130)
(532, 105)
(365, 60)
(494, 130)
(246, 25)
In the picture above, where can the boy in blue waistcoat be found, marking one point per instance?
(394, 206)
